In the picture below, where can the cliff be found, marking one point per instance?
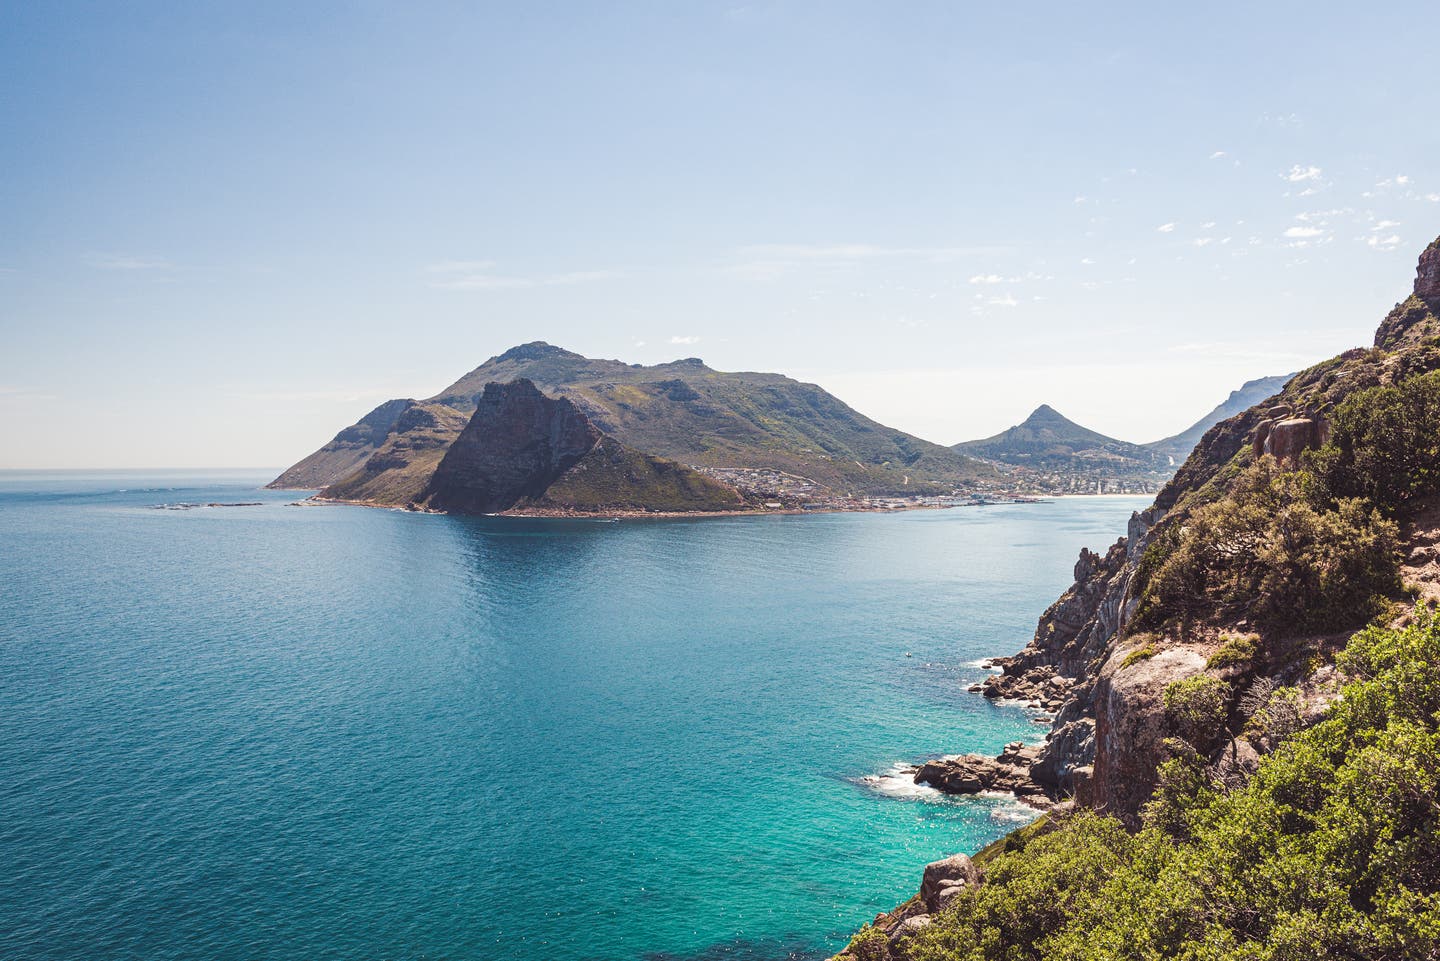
(1183, 664)
(522, 451)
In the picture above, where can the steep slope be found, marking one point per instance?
(401, 466)
(1197, 811)
(1049, 443)
(1179, 446)
(350, 448)
(686, 412)
(523, 451)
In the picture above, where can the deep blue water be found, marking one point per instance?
(328, 732)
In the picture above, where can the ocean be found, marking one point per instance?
(304, 732)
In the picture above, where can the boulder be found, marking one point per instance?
(944, 879)
(1290, 438)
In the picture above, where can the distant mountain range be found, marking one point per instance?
(1063, 455)
(731, 440)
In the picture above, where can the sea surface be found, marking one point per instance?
(283, 732)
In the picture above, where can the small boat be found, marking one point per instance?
(908, 654)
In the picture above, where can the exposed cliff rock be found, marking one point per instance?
(517, 443)
(398, 470)
(523, 451)
(350, 448)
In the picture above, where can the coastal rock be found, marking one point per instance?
(976, 773)
(943, 880)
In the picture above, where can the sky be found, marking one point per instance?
(229, 230)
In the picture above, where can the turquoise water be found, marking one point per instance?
(328, 732)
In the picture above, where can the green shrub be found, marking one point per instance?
(1385, 444)
(1197, 707)
(869, 944)
(1277, 550)
(1236, 650)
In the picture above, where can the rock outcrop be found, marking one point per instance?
(1427, 273)
(1286, 436)
(517, 443)
(523, 451)
(346, 452)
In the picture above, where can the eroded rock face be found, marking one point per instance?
(943, 880)
(517, 443)
(1130, 727)
(1286, 437)
(1427, 273)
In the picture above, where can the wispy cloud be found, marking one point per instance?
(1294, 233)
(481, 275)
(1301, 174)
(1166, 228)
(684, 339)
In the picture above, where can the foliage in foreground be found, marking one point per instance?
(1332, 850)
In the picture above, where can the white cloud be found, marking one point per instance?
(1005, 301)
(1203, 241)
(1299, 174)
(1166, 228)
(1303, 232)
(1087, 260)
(1219, 155)
(992, 279)
(690, 339)
(1384, 243)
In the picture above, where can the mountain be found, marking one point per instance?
(1067, 455)
(1243, 696)
(1178, 447)
(765, 434)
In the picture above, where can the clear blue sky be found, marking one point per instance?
(227, 230)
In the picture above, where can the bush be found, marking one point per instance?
(1197, 707)
(1279, 551)
(1236, 650)
(1385, 444)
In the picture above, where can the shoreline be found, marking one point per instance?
(631, 514)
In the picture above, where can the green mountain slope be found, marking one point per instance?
(688, 413)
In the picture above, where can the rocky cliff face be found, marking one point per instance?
(517, 443)
(346, 452)
(1427, 273)
(525, 452)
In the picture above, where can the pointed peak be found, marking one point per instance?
(1046, 414)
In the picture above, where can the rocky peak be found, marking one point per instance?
(1427, 273)
(517, 443)
(536, 350)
